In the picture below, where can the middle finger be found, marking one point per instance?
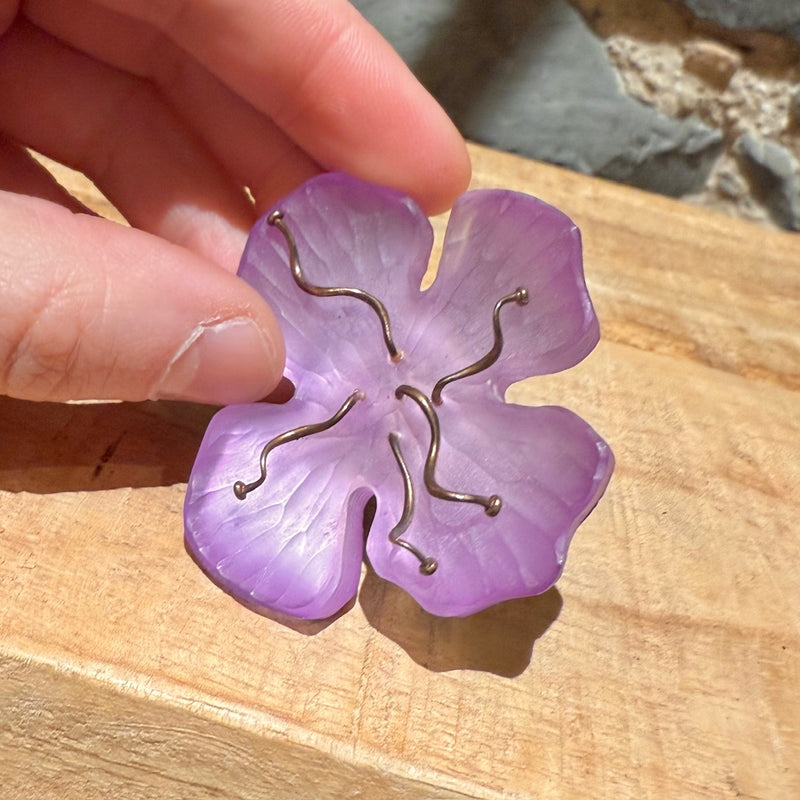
(248, 144)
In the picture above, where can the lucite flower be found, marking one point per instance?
(487, 516)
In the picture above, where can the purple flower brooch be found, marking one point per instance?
(399, 396)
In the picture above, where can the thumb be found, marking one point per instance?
(90, 309)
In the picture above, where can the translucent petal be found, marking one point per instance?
(348, 233)
(295, 544)
(549, 468)
(496, 242)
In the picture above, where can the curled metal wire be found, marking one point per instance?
(241, 489)
(427, 565)
(276, 220)
(491, 504)
(520, 296)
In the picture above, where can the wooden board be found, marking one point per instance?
(665, 664)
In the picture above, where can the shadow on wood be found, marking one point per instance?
(499, 640)
(62, 447)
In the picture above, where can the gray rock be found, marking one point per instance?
(530, 77)
(774, 177)
(780, 16)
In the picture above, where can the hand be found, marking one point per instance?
(172, 108)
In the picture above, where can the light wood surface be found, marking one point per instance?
(666, 663)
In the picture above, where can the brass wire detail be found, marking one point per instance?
(520, 297)
(491, 504)
(427, 565)
(241, 489)
(276, 220)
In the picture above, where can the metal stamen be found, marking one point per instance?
(241, 489)
(276, 219)
(491, 504)
(520, 296)
(427, 565)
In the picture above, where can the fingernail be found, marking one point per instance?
(222, 363)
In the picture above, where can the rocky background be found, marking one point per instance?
(698, 99)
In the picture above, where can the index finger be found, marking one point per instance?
(329, 81)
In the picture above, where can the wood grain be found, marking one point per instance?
(665, 664)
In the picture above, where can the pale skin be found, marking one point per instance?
(173, 108)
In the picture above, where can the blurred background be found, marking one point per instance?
(698, 99)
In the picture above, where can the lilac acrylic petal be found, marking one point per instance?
(295, 544)
(348, 233)
(497, 241)
(550, 469)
